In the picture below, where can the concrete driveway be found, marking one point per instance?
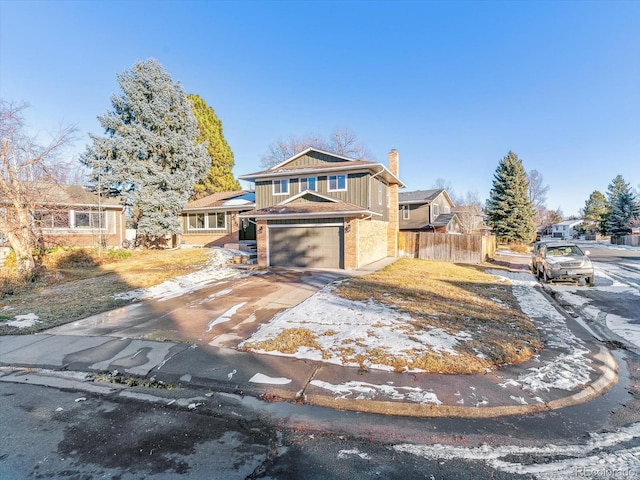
(222, 314)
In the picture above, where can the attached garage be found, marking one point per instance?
(309, 245)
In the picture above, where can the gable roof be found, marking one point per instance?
(236, 200)
(422, 196)
(344, 164)
(568, 223)
(309, 204)
(444, 219)
(65, 195)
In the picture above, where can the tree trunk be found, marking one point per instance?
(25, 261)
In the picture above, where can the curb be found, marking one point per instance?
(607, 379)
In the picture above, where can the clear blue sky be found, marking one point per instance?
(452, 85)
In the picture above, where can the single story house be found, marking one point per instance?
(215, 220)
(72, 215)
(322, 210)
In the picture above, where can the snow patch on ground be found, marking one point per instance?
(338, 323)
(577, 461)
(369, 391)
(262, 378)
(609, 274)
(571, 367)
(216, 269)
(24, 321)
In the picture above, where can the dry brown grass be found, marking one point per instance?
(519, 247)
(456, 299)
(288, 341)
(77, 283)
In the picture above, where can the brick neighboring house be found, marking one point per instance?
(322, 210)
(428, 210)
(72, 216)
(214, 220)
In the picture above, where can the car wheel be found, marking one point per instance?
(591, 281)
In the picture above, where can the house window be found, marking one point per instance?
(337, 182)
(64, 219)
(196, 221)
(405, 212)
(217, 221)
(88, 220)
(281, 187)
(207, 221)
(379, 193)
(308, 183)
(436, 210)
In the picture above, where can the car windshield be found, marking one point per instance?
(564, 251)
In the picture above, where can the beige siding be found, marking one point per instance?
(111, 235)
(210, 237)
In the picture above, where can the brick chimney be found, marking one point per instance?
(394, 159)
(394, 214)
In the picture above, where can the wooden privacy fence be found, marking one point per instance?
(628, 240)
(446, 247)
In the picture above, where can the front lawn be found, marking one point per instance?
(413, 315)
(77, 283)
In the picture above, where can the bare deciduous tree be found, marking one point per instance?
(342, 142)
(27, 170)
(469, 211)
(538, 196)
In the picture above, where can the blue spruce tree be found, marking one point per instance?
(149, 156)
(623, 207)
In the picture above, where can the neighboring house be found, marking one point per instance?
(71, 215)
(214, 220)
(566, 229)
(428, 210)
(322, 210)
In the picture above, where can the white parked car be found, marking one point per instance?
(562, 261)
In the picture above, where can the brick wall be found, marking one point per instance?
(372, 240)
(350, 243)
(261, 237)
(209, 239)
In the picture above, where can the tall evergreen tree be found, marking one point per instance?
(623, 207)
(509, 210)
(595, 210)
(150, 154)
(219, 178)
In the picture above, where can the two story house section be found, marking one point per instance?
(322, 210)
(428, 210)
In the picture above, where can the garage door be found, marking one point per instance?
(313, 247)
